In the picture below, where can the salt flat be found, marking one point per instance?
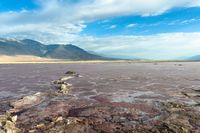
(109, 97)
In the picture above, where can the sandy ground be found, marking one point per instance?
(24, 58)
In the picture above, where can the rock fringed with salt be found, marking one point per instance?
(7, 124)
(63, 86)
(26, 102)
(72, 73)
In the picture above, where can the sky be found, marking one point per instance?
(147, 29)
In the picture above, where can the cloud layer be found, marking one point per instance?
(160, 46)
(61, 21)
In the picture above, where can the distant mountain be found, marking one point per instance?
(30, 47)
(70, 51)
(197, 57)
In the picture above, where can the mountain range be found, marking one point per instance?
(13, 47)
(195, 58)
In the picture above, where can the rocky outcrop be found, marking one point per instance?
(71, 73)
(196, 89)
(26, 102)
(193, 94)
(180, 118)
(9, 119)
(8, 124)
(63, 86)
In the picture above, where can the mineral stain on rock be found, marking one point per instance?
(141, 99)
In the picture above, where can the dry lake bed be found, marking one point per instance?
(100, 98)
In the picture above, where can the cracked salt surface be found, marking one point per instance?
(131, 98)
(107, 90)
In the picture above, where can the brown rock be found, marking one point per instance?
(7, 124)
(73, 120)
(40, 125)
(70, 72)
(191, 94)
(173, 128)
(58, 82)
(2, 131)
(26, 102)
(64, 89)
(196, 89)
(32, 131)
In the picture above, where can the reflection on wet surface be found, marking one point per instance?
(124, 95)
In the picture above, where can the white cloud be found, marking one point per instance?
(107, 8)
(104, 21)
(58, 21)
(112, 27)
(160, 46)
(131, 25)
(184, 22)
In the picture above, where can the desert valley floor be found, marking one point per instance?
(104, 97)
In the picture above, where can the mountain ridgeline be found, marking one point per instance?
(194, 58)
(13, 47)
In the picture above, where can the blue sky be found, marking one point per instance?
(177, 20)
(16, 5)
(153, 29)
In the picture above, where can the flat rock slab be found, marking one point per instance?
(26, 102)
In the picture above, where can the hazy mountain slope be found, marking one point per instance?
(34, 47)
(11, 47)
(197, 57)
(69, 52)
(31, 47)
